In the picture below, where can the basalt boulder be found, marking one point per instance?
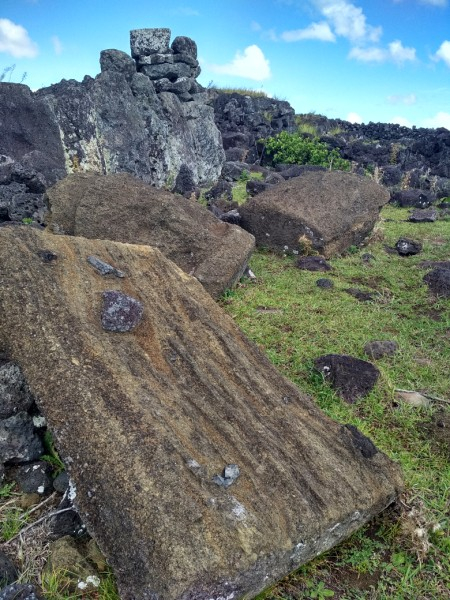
(323, 211)
(122, 208)
(200, 471)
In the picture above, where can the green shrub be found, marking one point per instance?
(292, 148)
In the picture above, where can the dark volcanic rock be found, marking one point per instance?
(378, 349)
(438, 280)
(251, 118)
(20, 591)
(34, 477)
(8, 571)
(325, 283)
(423, 215)
(144, 42)
(118, 61)
(413, 198)
(18, 440)
(313, 263)
(120, 313)
(254, 187)
(185, 183)
(360, 295)
(184, 45)
(351, 377)
(15, 396)
(407, 247)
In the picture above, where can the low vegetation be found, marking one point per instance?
(238, 90)
(295, 148)
(403, 554)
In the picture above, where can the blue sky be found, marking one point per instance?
(378, 60)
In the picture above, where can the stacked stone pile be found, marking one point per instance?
(172, 69)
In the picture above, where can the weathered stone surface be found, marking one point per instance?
(15, 396)
(144, 42)
(184, 388)
(351, 377)
(118, 61)
(184, 45)
(120, 207)
(8, 571)
(326, 210)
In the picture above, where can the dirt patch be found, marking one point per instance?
(437, 429)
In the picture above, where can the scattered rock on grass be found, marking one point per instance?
(438, 281)
(378, 349)
(324, 283)
(360, 295)
(351, 377)
(313, 263)
(407, 247)
(427, 215)
(414, 399)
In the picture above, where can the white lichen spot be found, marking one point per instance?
(39, 421)
(238, 511)
(192, 464)
(91, 580)
(40, 489)
(72, 491)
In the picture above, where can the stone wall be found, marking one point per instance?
(145, 115)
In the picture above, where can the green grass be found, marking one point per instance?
(405, 553)
(239, 188)
(240, 90)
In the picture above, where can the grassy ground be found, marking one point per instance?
(405, 553)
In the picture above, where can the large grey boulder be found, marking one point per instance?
(123, 208)
(201, 472)
(323, 211)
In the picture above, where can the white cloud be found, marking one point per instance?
(407, 100)
(251, 64)
(348, 21)
(14, 40)
(57, 45)
(395, 52)
(368, 54)
(353, 117)
(400, 53)
(440, 119)
(316, 31)
(444, 52)
(401, 121)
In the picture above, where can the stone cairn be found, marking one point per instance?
(172, 69)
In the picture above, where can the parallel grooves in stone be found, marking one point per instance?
(185, 384)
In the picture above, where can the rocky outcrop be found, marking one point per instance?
(145, 115)
(31, 155)
(320, 211)
(243, 120)
(199, 469)
(405, 158)
(133, 117)
(122, 208)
